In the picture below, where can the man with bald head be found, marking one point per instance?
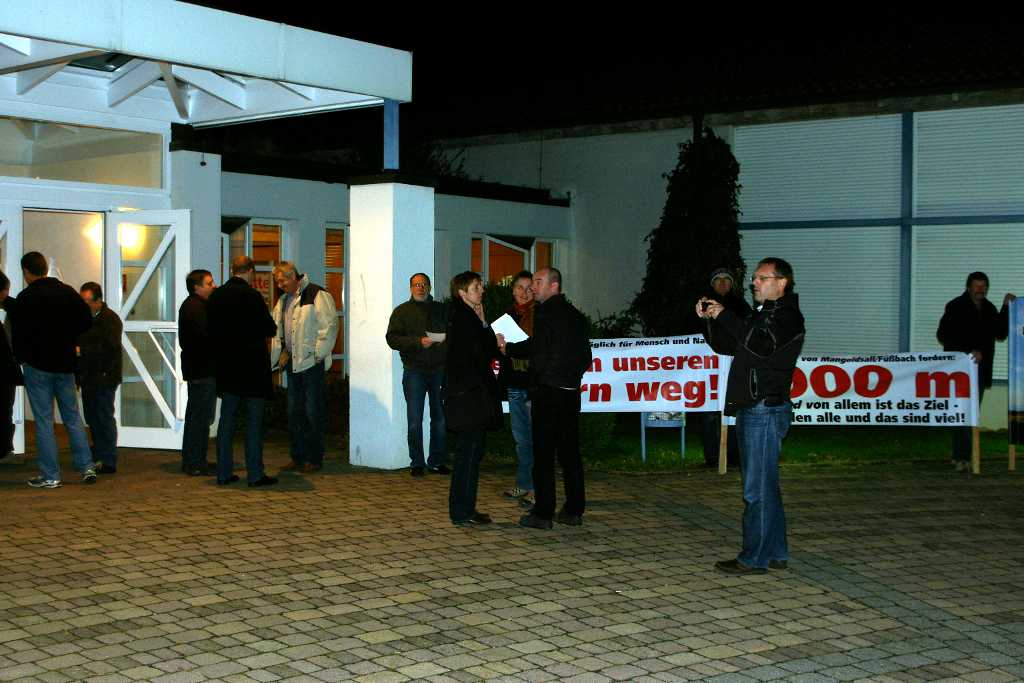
(559, 353)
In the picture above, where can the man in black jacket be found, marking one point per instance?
(723, 290)
(197, 369)
(46, 319)
(239, 325)
(559, 353)
(765, 347)
(971, 324)
(422, 371)
(99, 374)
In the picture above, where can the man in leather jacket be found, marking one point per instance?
(765, 347)
(559, 353)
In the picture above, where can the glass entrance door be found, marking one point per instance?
(147, 259)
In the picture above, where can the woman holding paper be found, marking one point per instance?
(470, 394)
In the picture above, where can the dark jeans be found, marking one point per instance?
(761, 430)
(7, 418)
(307, 414)
(963, 436)
(417, 385)
(98, 406)
(469, 451)
(556, 433)
(711, 434)
(199, 412)
(253, 436)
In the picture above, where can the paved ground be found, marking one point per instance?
(905, 574)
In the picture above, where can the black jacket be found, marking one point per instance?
(559, 350)
(965, 328)
(47, 318)
(471, 346)
(196, 352)
(99, 364)
(765, 346)
(409, 323)
(239, 325)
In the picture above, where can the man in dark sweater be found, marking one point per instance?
(422, 371)
(559, 353)
(197, 369)
(46, 320)
(239, 326)
(971, 324)
(99, 374)
(723, 290)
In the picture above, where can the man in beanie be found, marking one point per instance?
(723, 291)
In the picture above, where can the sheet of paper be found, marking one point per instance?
(507, 326)
(436, 336)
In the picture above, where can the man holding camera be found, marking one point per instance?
(765, 347)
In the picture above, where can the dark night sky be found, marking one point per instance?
(523, 66)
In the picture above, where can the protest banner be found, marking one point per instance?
(1015, 377)
(936, 389)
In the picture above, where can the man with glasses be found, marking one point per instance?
(765, 347)
(423, 371)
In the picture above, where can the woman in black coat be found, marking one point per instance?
(471, 399)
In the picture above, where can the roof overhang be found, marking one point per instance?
(190, 64)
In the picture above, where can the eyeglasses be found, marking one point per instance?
(420, 285)
(762, 278)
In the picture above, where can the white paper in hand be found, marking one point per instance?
(506, 326)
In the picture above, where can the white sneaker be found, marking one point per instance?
(962, 466)
(40, 483)
(89, 476)
(516, 493)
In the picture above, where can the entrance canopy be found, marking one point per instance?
(181, 63)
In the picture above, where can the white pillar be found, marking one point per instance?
(391, 236)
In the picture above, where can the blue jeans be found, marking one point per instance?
(760, 430)
(199, 412)
(307, 414)
(417, 385)
(522, 432)
(98, 406)
(42, 388)
(469, 451)
(253, 436)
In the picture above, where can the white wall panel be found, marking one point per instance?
(970, 162)
(943, 256)
(820, 170)
(848, 282)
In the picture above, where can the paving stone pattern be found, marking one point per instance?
(898, 574)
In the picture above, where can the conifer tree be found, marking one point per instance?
(698, 232)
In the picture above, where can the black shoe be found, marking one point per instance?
(203, 470)
(105, 469)
(778, 564)
(230, 480)
(439, 469)
(417, 472)
(264, 481)
(531, 521)
(737, 567)
(570, 520)
(477, 519)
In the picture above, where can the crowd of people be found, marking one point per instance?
(231, 345)
(61, 339)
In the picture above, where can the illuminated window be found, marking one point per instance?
(498, 259)
(334, 282)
